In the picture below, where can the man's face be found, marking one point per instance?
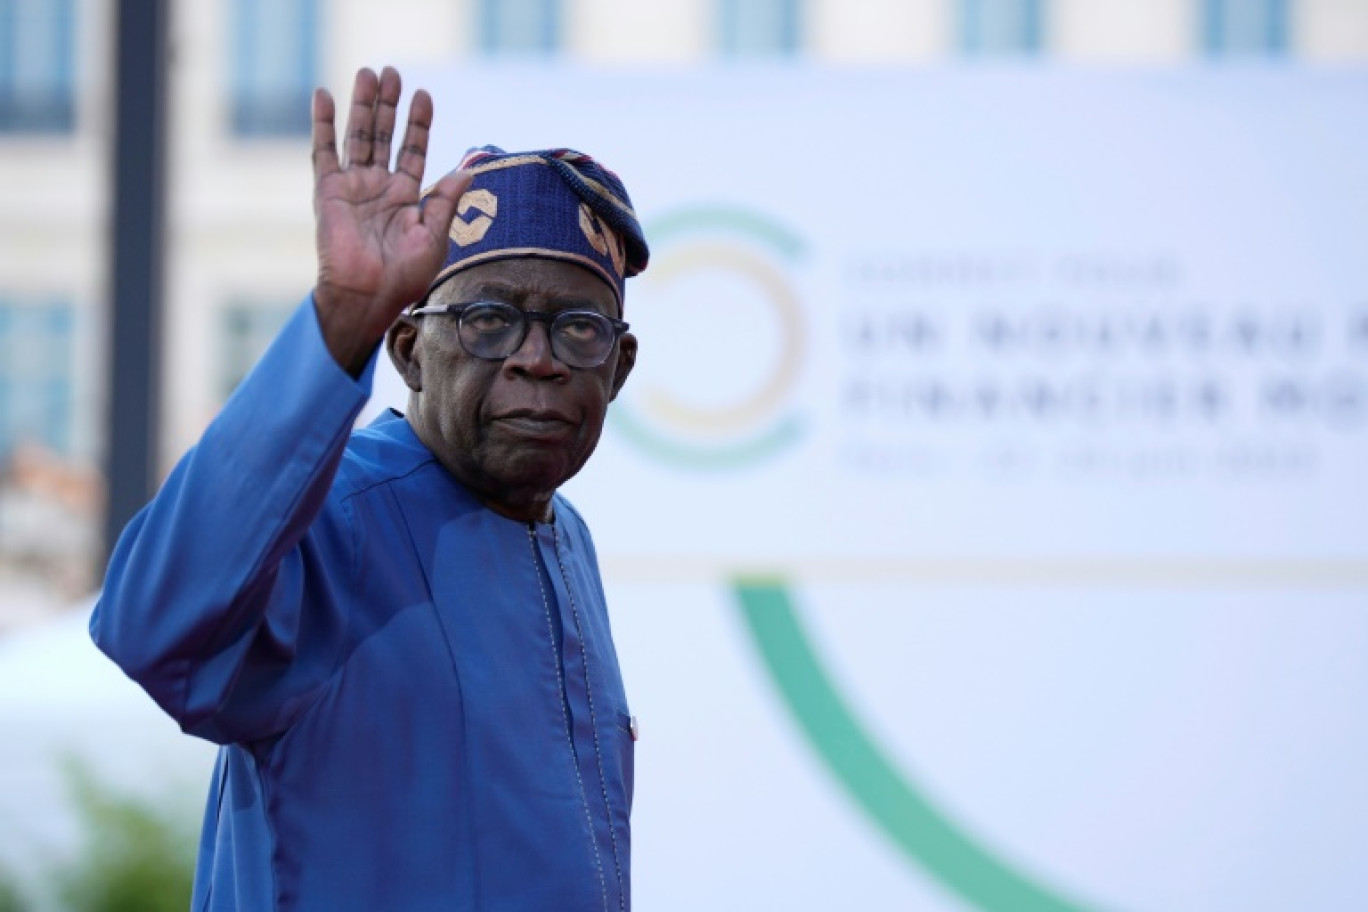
(514, 430)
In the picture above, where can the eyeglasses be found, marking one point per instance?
(493, 331)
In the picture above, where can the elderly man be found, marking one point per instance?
(399, 635)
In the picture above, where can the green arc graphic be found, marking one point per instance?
(913, 823)
(710, 218)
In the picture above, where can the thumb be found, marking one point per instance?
(440, 206)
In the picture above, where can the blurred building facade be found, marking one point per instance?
(240, 253)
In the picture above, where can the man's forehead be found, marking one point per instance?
(517, 278)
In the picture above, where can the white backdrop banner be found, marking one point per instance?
(983, 522)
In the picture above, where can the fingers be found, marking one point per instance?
(386, 103)
(324, 134)
(361, 118)
(370, 125)
(442, 199)
(413, 153)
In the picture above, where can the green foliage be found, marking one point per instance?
(11, 898)
(137, 857)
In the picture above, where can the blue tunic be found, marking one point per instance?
(418, 699)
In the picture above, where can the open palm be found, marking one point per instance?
(378, 250)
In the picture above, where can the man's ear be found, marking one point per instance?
(626, 360)
(402, 343)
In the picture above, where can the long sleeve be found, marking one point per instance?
(210, 587)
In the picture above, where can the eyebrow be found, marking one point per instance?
(499, 291)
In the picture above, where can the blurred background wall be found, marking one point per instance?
(239, 253)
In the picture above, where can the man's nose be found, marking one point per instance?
(534, 358)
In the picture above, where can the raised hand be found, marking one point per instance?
(377, 250)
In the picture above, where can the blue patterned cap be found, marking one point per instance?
(554, 203)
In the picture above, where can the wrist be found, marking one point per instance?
(350, 337)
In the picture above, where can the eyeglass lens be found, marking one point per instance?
(579, 338)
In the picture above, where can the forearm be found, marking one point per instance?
(192, 574)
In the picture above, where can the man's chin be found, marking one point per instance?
(534, 474)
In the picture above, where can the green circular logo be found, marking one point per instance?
(752, 255)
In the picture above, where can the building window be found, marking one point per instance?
(992, 28)
(246, 331)
(49, 494)
(519, 27)
(274, 66)
(1244, 27)
(758, 28)
(37, 353)
(37, 66)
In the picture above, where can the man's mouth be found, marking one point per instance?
(536, 422)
